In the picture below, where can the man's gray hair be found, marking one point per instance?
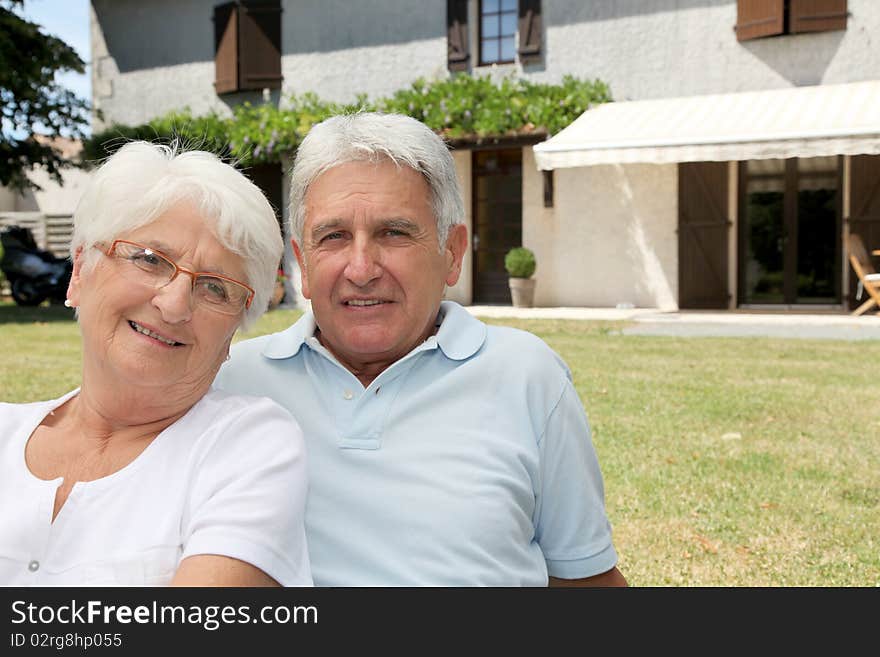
(372, 137)
(142, 181)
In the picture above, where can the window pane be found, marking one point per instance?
(507, 49)
(764, 167)
(764, 247)
(813, 164)
(508, 5)
(490, 27)
(508, 24)
(816, 239)
(766, 175)
(490, 5)
(489, 51)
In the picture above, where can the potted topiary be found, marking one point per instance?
(520, 265)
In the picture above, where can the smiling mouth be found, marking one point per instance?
(360, 303)
(140, 329)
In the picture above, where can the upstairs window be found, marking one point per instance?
(763, 18)
(247, 46)
(506, 30)
(497, 31)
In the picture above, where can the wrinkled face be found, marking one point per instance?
(371, 263)
(138, 336)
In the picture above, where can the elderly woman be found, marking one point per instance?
(145, 475)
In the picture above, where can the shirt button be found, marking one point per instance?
(348, 394)
(34, 566)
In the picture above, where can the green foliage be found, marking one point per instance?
(34, 107)
(461, 106)
(254, 134)
(466, 106)
(520, 262)
(208, 132)
(260, 134)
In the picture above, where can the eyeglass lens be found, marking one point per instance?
(151, 268)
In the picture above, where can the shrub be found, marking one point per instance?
(520, 262)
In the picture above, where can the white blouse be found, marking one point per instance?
(228, 478)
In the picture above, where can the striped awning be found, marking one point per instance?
(839, 119)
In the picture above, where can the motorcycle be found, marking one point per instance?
(33, 274)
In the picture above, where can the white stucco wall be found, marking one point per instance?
(668, 48)
(51, 198)
(151, 58)
(609, 239)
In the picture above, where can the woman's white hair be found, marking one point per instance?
(372, 137)
(142, 181)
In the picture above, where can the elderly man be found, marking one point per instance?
(441, 451)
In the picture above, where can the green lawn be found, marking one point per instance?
(727, 461)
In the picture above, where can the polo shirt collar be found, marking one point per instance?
(460, 335)
(288, 342)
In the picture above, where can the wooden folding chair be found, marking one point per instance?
(869, 279)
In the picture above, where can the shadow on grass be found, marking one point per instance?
(13, 314)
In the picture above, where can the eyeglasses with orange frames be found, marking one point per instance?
(147, 266)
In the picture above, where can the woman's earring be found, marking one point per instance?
(67, 303)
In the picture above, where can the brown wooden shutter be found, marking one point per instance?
(703, 228)
(817, 15)
(529, 31)
(864, 219)
(759, 18)
(260, 44)
(226, 48)
(457, 42)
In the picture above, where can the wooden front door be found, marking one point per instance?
(703, 227)
(497, 213)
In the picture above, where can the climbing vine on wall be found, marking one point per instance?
(458, 107)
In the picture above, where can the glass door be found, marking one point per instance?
(789, 239)
(497, 213)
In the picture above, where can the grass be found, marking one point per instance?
(727, 461)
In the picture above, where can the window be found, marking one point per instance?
(506, 30)
(763, 18)
(247, 45)
(497, 31)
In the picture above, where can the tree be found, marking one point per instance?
(35, 109)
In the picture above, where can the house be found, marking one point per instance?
(47, 210)
(735, 227)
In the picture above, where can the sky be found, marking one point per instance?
(69, 21)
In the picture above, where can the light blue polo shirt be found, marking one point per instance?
(469, 462)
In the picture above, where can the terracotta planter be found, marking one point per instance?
(522, 292)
